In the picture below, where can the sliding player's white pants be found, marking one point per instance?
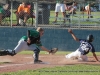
(77, 54)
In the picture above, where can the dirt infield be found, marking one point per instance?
(25, 62)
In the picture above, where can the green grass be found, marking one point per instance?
(44, 52)
(57, 53)
(75, 18)
(64, 70)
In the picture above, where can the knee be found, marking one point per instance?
(67, 56)
(37, 50)
(26, 15)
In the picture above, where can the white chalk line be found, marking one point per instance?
(22, 64)
(9, 65)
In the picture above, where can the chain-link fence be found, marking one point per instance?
(42, 13)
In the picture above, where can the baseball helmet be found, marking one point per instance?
(90, 38)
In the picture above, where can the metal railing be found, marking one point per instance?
(78, 20)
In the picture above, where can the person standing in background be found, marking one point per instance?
(1, 14)
(88, 10)
(60, 6)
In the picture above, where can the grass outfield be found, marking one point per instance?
(64, 70)
(75, 18)
(59, 52)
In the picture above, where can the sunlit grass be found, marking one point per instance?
(74, 19)
(64, 70)
(57, 53)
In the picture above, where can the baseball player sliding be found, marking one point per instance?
(25, 43)
(83, 49)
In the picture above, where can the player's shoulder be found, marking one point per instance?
(24, 37)
(34, 33)
(82, 40)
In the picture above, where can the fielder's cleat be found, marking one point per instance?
(4, 52)
(38, 62)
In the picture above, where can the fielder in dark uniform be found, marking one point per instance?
(25, 43)
(84, 48)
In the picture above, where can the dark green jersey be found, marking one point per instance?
(34, 33)
(34, 37)
(1, 10)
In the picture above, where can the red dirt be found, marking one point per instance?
(25, 62)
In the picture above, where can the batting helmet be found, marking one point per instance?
(90, 38)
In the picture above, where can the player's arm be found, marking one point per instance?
(95, 56)
(28, 34)
(74, 37)
(39, 44)
(19, 9)
(45, 49)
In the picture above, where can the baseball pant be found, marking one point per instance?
(36, 54)
(60, 7)
(77, 54)
(22, 45)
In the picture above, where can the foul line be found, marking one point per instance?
(15, 65)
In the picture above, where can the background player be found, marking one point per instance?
(88, 10)
(25, 43)
(83, 49)
(59, 6)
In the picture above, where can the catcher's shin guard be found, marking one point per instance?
(11, 52)
(7, 52)
(36, 54)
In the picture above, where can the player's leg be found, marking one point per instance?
(36, 53)
(62, 7)
(83, 58)
(56, 15)
(4, 52)
(57, 9)
(88, 10)
(36, 56)
(22, 45)
(69, 56)
(73, 55)
(26, 17)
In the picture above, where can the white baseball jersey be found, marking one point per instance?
(85, 47)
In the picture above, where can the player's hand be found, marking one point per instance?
(70, 31)
(28, 41)
(53, 50)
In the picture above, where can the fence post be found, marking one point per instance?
(36, 14)
(11, 11)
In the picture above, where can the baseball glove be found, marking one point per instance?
(53, 50)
